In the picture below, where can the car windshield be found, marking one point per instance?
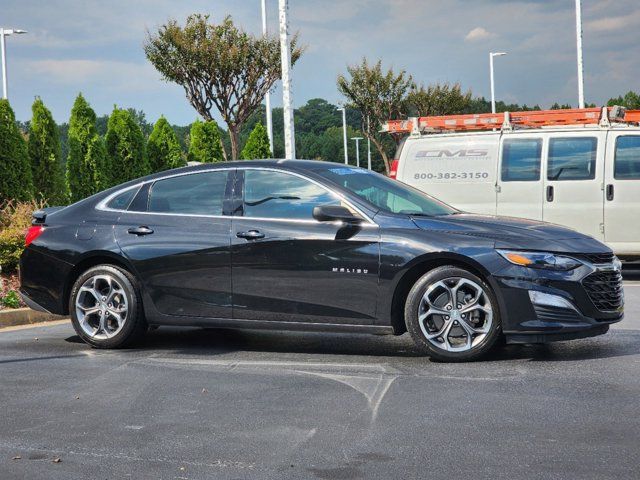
(387, 194)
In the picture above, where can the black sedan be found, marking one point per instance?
(313, 246)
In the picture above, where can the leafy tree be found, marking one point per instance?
(204, 142)
(84, 176)
(630, 100)
(15, 173)
(438, 99)
(378, 95)
(257, 145)
(126, 151)
(218, 66)
(44, 153)
(557, 106)
(163, 148)
(332, 149)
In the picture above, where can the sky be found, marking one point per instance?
(95, 47)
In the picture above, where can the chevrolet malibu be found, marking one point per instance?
(312, 246)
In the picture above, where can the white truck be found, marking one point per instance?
(569, 168)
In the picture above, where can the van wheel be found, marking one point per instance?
(452, 315)
(106, 308)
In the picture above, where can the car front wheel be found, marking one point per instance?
(452, 315)
(106, 308)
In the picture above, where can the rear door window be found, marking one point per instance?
(521, 160)
(193, 194)
(572, 158)
(627, 158)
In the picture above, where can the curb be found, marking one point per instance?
(25, 316)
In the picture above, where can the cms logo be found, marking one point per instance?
(462, 153)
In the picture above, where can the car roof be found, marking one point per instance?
(272, 163)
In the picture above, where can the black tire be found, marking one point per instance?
(415, 303)
(134, 325)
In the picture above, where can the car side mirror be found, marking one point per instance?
(333, 213)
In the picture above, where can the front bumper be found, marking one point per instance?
(575, 316)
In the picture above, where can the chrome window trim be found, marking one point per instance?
(102, 205)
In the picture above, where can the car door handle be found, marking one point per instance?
(250, 235)
(550, 193)
(141, 230)
(610, 192)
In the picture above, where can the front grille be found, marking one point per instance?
(605, 289)
(596, 258)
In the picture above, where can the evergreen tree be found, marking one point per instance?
(163, 148)
(44, 153)
(257, 145)
(204, 142)
(125, 148)
(84, 176)
(15, 173)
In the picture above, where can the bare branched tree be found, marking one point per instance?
(219, 66)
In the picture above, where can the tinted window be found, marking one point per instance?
(521, 160)
(385, 193)
(627, 162)
(572, 158)
(196, 194)
(122, 200)
(269, 194)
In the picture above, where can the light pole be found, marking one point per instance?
(357, 140)
(5, 32)
(267, 97)
(493, 88)
(368, 144)
(344, 134)
(285, 54)
(579, 49)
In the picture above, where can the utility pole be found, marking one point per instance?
(344, 134)
(579, 49)
(5, 32)
(368, 144)
(357, 140)
(285, 54)
(267, 97)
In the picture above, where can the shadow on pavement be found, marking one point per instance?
(214, 341)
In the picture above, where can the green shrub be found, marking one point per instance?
(15, 173)
(127, 156)
(204, 142)
(45, 153)
(11, 300)
(15, 219)
(257, 146)
(163, 147)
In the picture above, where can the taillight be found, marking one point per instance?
(393, 172)
(33, 233)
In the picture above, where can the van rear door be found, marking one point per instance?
(573, 179)
(457, 169)
(622, 193)
(519, 192)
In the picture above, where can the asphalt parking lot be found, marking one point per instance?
(230, 404)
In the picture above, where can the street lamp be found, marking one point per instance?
(368, 144)
(357, 140)
(493, 93)
(579, 52)
(267, 97)
(344, 133)
(5, 32)
(285, 57)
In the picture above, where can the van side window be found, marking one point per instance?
(521, 160)
(572, 158)
(627, 159)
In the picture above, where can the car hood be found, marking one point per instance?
(511, 232)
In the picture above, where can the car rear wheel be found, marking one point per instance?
(452, 315)
(106, 308)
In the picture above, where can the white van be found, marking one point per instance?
(586, 177)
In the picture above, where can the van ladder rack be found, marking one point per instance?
(510, 120)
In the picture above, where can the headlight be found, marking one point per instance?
(542, 260)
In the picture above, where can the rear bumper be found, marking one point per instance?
(33, 305)
(42, 281)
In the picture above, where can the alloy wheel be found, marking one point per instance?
(101, 307)
(455, 314)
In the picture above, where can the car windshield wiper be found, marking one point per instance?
(266, 199)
